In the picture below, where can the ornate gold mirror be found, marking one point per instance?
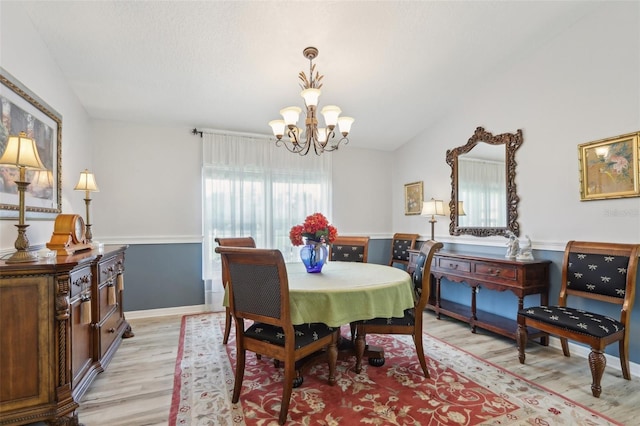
(484, 200)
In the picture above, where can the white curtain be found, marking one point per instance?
(253, 188)
(483, 189)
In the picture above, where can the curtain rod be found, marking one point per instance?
(200, 132)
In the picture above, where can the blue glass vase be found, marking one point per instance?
(314, 255)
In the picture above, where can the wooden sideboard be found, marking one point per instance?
(61, 322)
(522, 278)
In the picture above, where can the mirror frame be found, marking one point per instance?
(512, 142)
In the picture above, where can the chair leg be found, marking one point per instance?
(360, 344)
(227, 325)
(240, 363)
(289, 375)
(521, 337)
(417, 339)
(565, 346)
(597, 362)
(624, 359)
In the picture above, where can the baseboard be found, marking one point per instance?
(163, 312)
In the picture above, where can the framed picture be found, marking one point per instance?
(609, 168)
(23, 111)
(413, 196)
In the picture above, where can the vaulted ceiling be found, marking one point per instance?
(395, 66)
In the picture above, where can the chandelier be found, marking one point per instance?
(300, 140)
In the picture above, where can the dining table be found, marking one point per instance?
(345, 292)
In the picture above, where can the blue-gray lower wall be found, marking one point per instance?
(170, 275)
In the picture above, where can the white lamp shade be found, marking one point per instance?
(331, 113)
(43, 179)
(22, 151)
(432, 208)
(311, 96)
(87, 182)
(322, 134)
(290, 115)
(277, 126)
(461, 211)
(345, 124)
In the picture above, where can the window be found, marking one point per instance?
(253, 188)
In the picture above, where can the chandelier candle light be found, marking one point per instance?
(87, 183)
(314, 233)
(300, 140)
(22, 152)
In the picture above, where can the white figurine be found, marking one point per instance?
(525, 251)
(513, 245)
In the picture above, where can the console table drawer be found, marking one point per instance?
(496, 270)
(453, 265)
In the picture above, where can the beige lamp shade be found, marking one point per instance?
(460, 210)
(432, 208)
(22, 151)
(87, 182)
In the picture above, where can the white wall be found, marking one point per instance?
(25, 56)
(154, 173)
(581, 86)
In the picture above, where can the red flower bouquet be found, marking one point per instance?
(315, 228)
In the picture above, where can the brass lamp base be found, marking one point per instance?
(21, 245)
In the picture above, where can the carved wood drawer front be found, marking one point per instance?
(108, 332)
(454, 265)
(80, 281)
(109, 269)
(496, 270)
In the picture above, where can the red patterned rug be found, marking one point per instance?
(462, 390)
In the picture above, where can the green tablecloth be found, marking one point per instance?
(346, 292)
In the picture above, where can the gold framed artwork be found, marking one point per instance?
(413, 197)
(609, 168)
(23, 111)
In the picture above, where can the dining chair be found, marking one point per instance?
(411, 323)
(400, 245)
(349, 249)
(605, 272)
(231, 242)
(258, 290)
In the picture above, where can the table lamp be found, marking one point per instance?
(87, 183)
(432, 208)
(22, 152)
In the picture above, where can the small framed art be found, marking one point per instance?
(413, 197)
(609, 168)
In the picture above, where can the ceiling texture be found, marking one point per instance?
(395, 66)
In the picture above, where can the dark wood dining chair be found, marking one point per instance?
(231, 242)
(259, 292)
(411, 323)
(605, 272)
(349, 249)
(400, 245)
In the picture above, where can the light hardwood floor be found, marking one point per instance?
(135, 390)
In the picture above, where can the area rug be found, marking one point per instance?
(462, 390)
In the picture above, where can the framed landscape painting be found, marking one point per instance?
(413, 196)
(609, 168)
(23, 111)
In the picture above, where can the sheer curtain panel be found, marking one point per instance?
(251, 187)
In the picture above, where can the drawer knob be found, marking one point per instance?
(453, 265)
(494, 272)
(111, 330)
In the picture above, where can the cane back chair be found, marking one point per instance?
(232, 242)
(411, 323)
(258, 291)
(605, 272)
